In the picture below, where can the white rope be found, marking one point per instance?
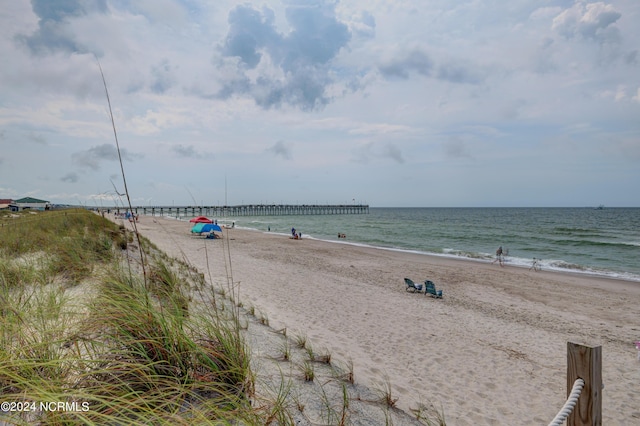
(568, 406)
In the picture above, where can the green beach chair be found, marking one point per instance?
(430, 289)
(412, 287)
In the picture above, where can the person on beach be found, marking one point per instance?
(498, 256)
(535, 265)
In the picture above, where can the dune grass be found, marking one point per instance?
(126, 348)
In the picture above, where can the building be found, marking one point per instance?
(29, 203)
(5, 203)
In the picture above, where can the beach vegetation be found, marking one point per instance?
(429, 414)
(315, 357)
(285, 350)
(385, 393)
(83, 325)
(335, 413)
(300, 341)
(308, 371)
(311, 356)
(264, 319)
(344, 372)
(276, 409)
(300, 406)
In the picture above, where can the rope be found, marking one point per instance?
(568, 406)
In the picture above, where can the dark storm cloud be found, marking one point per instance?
(302, 56)
(92, 157)
(53, 33)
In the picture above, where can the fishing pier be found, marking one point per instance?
(249, 210)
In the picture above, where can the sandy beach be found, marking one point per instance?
(491, 352)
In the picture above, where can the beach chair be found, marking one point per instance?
(430, 289)
(412, 287)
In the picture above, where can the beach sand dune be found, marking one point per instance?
(491, 352)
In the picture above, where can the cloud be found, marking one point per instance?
(275, 68)
(70, 177)
(594, 21)
(92, 157)
(281, 149)
(394, 153)
(460, 72)
(367, 152)
(419, 62)
(363, 25)
(54, 32)
(185, 151)
(455, 147)
(163, 77)
(39, 139)
(415, 61)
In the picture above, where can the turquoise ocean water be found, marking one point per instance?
(586, 240)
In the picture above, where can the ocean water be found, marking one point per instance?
(586, 240)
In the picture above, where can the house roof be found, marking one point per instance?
(30, 200)
(6, 201)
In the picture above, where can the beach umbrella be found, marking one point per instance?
(201, 219)
(210, 227)
(199, 228)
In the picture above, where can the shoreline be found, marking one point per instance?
(492, 351)
(587, 272)
(577, 274)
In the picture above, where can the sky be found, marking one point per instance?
(404, 103)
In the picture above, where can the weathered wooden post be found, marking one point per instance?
(585, 362)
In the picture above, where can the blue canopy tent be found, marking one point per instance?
(201, 228)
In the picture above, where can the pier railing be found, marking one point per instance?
(250, 210)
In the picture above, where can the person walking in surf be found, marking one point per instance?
(498, 256)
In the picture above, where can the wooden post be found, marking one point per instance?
(585, 362)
